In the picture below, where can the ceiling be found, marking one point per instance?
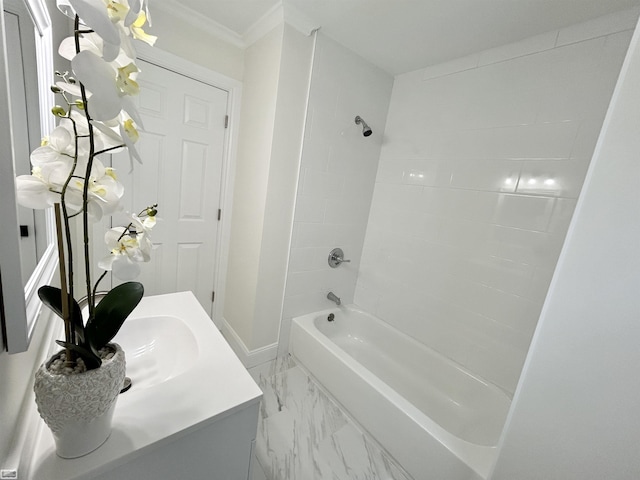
(404, 35)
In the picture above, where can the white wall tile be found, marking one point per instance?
(525, 212)
(453, 66)
(305, 259)
(321, 184)
(527, 46)
(561, 217)
(487, 175)
(337, 178)
(310, 209)
(478, 177)
(615, 22)
(556, 178)
(340, 212)
(307, 235)
(448, 211)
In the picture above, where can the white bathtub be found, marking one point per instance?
(438, 421)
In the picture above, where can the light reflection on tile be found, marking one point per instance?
(304, 434)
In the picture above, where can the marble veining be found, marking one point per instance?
(304, 434)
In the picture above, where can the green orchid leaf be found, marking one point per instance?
(111, 313)
(52, 298)
(91, 360)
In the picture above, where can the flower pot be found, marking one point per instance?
(78, 408)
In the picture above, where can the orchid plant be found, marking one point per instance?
(96, 117)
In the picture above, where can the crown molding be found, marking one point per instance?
(278, 14)
(266, 23)
(196, 19)
(275, 16)
(299, 20)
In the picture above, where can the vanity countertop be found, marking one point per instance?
(169, 403)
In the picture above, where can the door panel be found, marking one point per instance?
(182, 148)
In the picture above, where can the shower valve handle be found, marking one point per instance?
(336, 257)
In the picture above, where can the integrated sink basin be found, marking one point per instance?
(189, 391)
(157, 348)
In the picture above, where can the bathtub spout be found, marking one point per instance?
(332, 296)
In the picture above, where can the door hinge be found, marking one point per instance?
(213, 296)
(219, 214)
(226, 121)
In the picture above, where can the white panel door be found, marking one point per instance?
(182, 147)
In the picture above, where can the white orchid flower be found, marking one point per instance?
(138, 32)
(103, 193)
(43, 187)
(58, 147)
(32, 191)
(119, 262)
(70, 88)
(92, 42)
(144, 224)
(94, 14)
(121, 132)
(130, 135)
(98, 78)
(109, 136)
(134, 10)
(127, 250)
(101, 139)
(126, 79)
(51, 166)
(124, 268)
(117, 11)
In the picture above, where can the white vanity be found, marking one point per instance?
(191, 412)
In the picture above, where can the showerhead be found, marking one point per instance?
(366, 130)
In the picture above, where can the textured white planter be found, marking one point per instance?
(78, 408)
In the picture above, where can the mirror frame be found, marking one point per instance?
(22, 306)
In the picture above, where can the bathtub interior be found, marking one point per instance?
(461, 403)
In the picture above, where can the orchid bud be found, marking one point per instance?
(151, 211)
(55, 89)
(58, 111)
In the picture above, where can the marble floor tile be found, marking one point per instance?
(303, 434)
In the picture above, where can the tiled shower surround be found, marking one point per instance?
(459, 205)
(455, 210)
(337, 177)
(479, 174)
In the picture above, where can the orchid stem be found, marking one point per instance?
(109, 149)
(85, 189)
(95, 288)
(65, 299)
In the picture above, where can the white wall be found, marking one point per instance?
(575, 413)
(336, 178)
(195, 44)
(260, 86)
(293, 89)
(276, 85)
(482, 163)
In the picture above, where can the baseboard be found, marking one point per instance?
(249, 358)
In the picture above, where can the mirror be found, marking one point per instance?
(27, 261)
